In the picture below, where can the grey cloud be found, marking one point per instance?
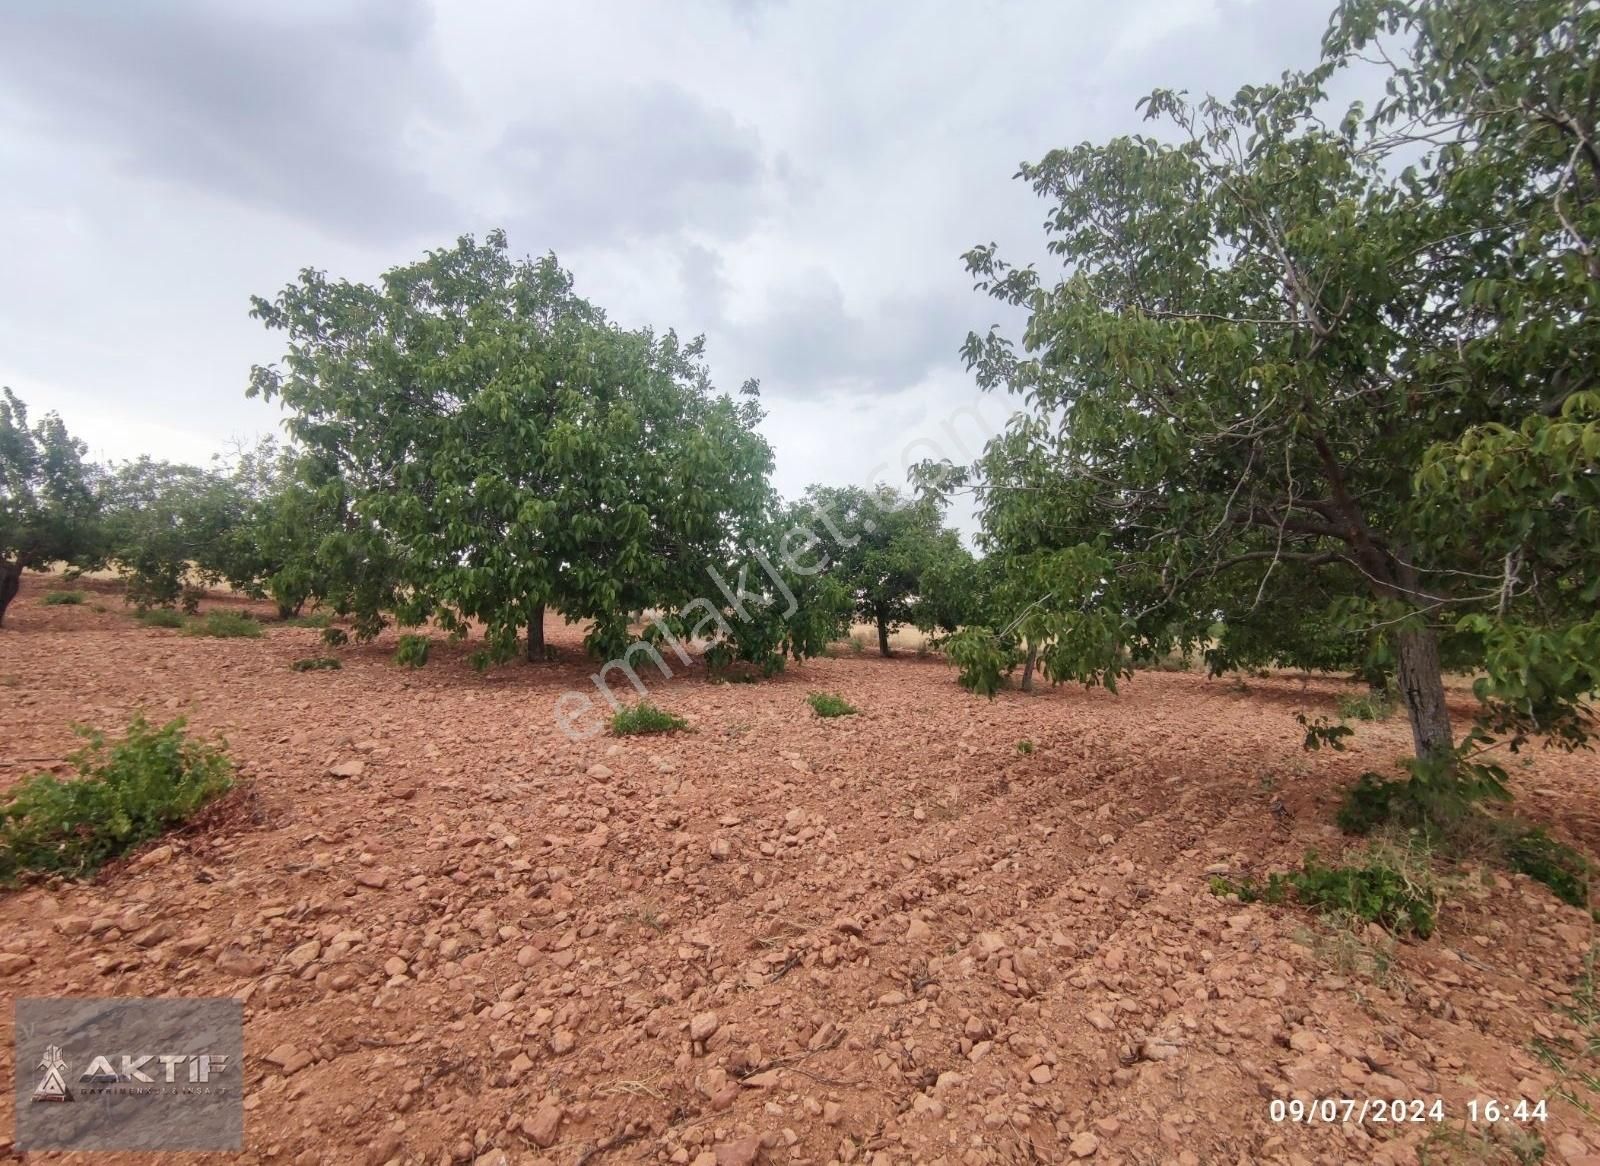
(301, 110)
(807, 341)
(635, 162)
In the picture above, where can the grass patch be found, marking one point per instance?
(160, 617)
(225, 625)
(858, 644)
(123, 795)
(316, 664)
(827, 704)
(643, 718)
(1464, 830)
(1576, 1061)
(1529, 850)
(64, 598)
(1391, 887)
(1024, 747)
(317, 619)
(1343, 945)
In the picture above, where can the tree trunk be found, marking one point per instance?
(536, 635)
(10, 584)
(1421, 679)
(1027, 668)
(883, 637)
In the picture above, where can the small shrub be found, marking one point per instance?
(412, 651)
(226, 625)
(316, 664)
(644, 717)
(159, 617)
(827, 704)
(317, 619)
(335, 637)
(64, 598)
(124, 794)
(858, 644)
(1024, 747)
(1386, 888)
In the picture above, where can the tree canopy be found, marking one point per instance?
(895, 558)
(505, 447)
(1293, 363)
(47, 501)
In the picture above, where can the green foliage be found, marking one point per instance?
(124, 794)
(502, 447)
(335, 637)
(291, 542)
(411, 651)
(1392, 890)
(160, 617)
(828, 704)
(64, 598)
(1327, 382)
(1320, 732)
(316, 664)
(643, 718)
(777, 607)
(47, 498)
(1025, 747)
(894, 557)
(226, 625)
(164, 528)
(982, 659)
(1531, 851)
(317, 619)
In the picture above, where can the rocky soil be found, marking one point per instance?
(887, 938)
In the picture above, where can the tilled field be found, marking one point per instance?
(888, 938)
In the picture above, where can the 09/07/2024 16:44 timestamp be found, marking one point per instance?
(1338, 1110)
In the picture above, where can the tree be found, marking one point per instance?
(507, 449)
(285, 545)
(895, 557)
(47, 503)
(165, 528)
(1288, 361)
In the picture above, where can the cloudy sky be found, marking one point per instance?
(794, 178)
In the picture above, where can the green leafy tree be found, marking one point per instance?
(895, 557)
(1289, 362)
(506, 449)
(47, 500)
(285, 546)
(165, 528)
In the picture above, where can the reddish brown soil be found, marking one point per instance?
(901, 939)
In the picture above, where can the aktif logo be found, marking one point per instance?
(53, 1087)
(199, 1070)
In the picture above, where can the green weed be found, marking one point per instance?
(644, 717)
(123, 794)
(827, 704)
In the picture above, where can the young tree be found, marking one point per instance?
(507, 449)
(1269, 326)
(47, 502)
(895, 557)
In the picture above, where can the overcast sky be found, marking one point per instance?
(795, 179)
